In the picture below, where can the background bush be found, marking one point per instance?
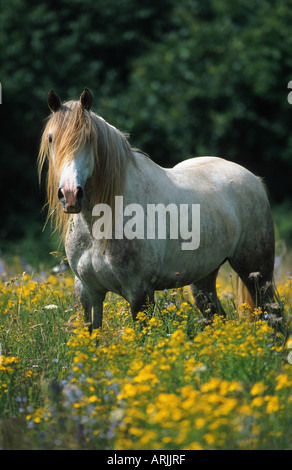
(183, 78)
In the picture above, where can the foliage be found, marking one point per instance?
(168, 382)
(219, 77)
(62, 45)
(184, 78)
(283, 221)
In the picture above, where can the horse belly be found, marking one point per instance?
(219, 234)
(185, 267)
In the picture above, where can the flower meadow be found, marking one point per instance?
(169, 382)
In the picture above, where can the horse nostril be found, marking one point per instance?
(60, 194)
(80, 193)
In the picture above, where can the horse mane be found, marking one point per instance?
(71, 128)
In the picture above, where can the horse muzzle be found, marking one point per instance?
(71, 199)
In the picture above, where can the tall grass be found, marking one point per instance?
(170, 381)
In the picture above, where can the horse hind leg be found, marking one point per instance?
(256, 289)
(243, 295)
(205, 296)
(257, 281)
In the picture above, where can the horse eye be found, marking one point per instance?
(50, 138)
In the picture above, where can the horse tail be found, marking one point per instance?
(243, 295)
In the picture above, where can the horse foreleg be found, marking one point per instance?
(92, 305)
(83, 301)
(141, 302)
(96, 315)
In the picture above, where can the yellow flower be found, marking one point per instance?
(283, 381)
(135, 431)
(211, 385)
(153, 321)
(193, 446)
(257, 401)
(28, 374)
(257, 311)
(178, 337)
(199, 423)
(228, 405)
(147, 437)
(258, 388)
(209, 438)
(93, 399)
(234, 387)
(272, 405)
(146, 375)
(142, 316)
(128, 334)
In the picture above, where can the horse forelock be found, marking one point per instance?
(71, 128)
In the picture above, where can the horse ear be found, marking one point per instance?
(86, 99)
(54, 101)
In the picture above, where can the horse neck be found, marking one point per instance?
(143, 176)
(93, 197)
(141, 173)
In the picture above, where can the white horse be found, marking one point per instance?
(91, 162)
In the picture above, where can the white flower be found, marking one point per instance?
(51, 307)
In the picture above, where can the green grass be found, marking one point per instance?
(168, 382)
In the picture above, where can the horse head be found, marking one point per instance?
(76, 169)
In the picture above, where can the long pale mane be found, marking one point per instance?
(67, 132)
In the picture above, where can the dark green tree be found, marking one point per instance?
(183, 78)
(217, 85)
(64, 45)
